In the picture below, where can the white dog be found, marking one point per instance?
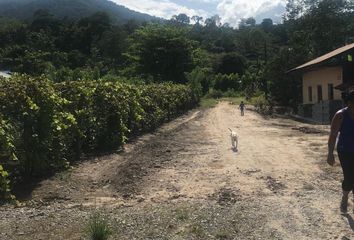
(234, 139)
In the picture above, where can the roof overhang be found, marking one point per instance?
(320, 60)
(345, 86)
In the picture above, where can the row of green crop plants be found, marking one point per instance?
(45, 126)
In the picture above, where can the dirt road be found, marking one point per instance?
(185, 182)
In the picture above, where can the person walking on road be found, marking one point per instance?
(343, 123)
(242, 108)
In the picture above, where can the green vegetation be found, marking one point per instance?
(236, 100)
(4, 184)
(208, 102)
(98, 227)
(197, 230)
(24, 9)
(182, 214)
(52, 124)
(252, 58)
(261, 104)
(90, 81)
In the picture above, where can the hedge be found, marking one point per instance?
(45, 126)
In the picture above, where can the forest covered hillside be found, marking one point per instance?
(24, 9)
(209, 54)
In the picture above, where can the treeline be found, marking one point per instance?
(45, 126)
(250, 60)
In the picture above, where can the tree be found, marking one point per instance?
(294, 9)
(252, 42)
(200, 79)
(197, 19)
(181, 18)
(214, 21)
(225, 82)
(163, 52)
(112, 44)
(251, 22)
(322, 26)
(92, 28)
(284, 89)
(44, 21)
(327, 25)
(231, 63)
(267, 24)
(247, 22)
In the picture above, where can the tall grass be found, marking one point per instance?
(98, 227)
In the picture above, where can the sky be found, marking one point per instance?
(230, 11)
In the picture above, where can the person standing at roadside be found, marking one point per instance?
(343, 123)
(242, 108)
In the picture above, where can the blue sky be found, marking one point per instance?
(230, 11)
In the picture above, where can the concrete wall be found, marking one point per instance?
(323, 77)
(321, 112)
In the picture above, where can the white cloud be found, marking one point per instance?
(204, 1)
(161, 8)
(232, 11)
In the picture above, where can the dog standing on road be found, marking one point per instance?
(234, 139)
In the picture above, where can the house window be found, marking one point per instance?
(319, 93)
(310, 94)
(330, 92)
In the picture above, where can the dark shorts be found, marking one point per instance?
(347, 162)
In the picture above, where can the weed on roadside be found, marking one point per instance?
(98, 227)
(182, 214)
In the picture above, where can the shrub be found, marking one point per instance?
(231, 94)
(262, 104)
(98, 227)
(213, 93)
(53, 123)
(33, 106)
(200, 80)
(226, 82)
(7, 141)
(7, 153)
(4, 184)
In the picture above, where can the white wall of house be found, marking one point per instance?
(323, 77)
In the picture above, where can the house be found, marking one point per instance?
(324, 79)
(5, 74)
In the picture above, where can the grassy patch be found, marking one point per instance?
(235, 100)
(197, 230)
(98, 227)
(222, 235)
(182, 214)
(208, 102)
(65, 175)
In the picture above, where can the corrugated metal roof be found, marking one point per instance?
(325, 57)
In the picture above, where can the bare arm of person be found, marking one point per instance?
(335, 127)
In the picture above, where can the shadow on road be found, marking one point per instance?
(350, 220)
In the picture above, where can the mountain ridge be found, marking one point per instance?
(24, 9)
